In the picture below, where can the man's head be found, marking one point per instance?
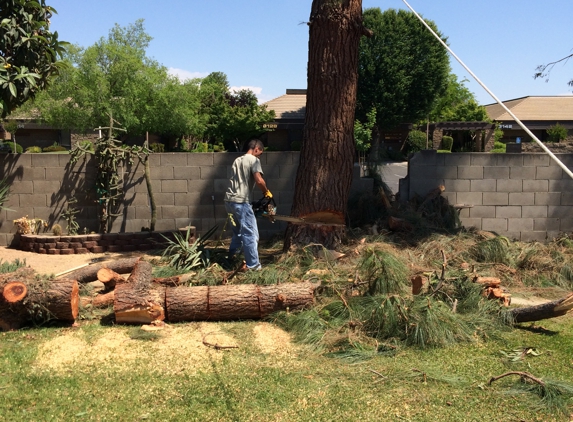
(256, 147)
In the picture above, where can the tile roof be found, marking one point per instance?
(554, 108)
(289, 106)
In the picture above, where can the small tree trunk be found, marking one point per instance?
(231, 302)
(87, 274)
(552, 309)
(109, 278)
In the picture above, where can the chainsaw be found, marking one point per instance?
(267, 207)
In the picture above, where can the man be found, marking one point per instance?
(247, 173)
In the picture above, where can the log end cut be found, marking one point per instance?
(14, 291)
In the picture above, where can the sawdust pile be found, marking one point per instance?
(177, 349)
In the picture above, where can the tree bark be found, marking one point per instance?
(552, 309)
(109, 278)
(87, 274)
(231, 302)
(324, 173)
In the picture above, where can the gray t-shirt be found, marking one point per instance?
(242, 180)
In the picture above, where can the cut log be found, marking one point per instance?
(109, 278)
(103, 300)
(59, 300)
(173, 281)
(418, 282)
(488, 281)
(87, 274)
(14, 291)
(138, 301)
(231, 302)
(547, 310)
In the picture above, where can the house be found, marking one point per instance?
(285, 132)
(538, 113)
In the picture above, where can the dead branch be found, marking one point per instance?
(216, 346)
(523, 375)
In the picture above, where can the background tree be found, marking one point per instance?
(402, 68)
(456, 103)
(29, 51)
(544, 70)
(324, 173)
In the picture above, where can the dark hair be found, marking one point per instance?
(255, 143)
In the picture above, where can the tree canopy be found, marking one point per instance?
(29, 51)
(457, 103)
(402, 68)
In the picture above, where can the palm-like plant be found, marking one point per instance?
(184, 255)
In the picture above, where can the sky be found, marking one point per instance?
(263, 44)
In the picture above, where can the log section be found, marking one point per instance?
(87, 274)
(552, 309)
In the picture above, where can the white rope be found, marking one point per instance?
(519, 122)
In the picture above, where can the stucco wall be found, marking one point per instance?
(522, 196)
(188, 189)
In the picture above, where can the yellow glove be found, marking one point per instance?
(268, 194)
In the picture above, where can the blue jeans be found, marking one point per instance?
(245, 232)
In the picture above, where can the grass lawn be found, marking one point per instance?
(98, 372)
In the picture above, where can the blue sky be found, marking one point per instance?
(262, 45)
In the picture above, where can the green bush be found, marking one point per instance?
(8, 146)
(34, 150)
(416, 141)
(447, 142)
(444, 151)
(157, 147)
(498, 147)
(54, 148)
(556, 133)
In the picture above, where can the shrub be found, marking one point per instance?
(416, 141)
(54, 148)
(498, 147)
(157, 147)
(8, 146)
(447, 142)
(556, 133)
(34, 150)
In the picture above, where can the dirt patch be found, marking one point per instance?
(272, 340)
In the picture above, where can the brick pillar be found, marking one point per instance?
(437, 138)
(478, 144)
(489, 140)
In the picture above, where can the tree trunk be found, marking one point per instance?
(57, 301)
(14, 291)
(552, 309)
(231, 302)
(326, 164)
(87, 274)
(109, 278)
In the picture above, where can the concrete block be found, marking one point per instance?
(43, 212)
(45, 160)
(472, 222)
(288, 185)
(552, 235)
(534, 211)
(186, 173)
(418, 172)
(511, 235)
(520, 224)
(548, 173)
(559, 211)
(455, 185)
(172, 212)
(279, 158)
(220, 185)
(214, 172)
(162, 198)
(427, 157)
(39, 173)
(446, 172)
(522, 172)
(482, 212)
(566, 224)
(509, 160)
(566, 198)
(494, 224)
(470, 198)
(163, 173)
(482, 159)
(533, 236)
(155, 159)
(206, 211)
(201, 185)
(168, 186)
(508, 212)
(547, 198)
(496, 172)
(485, 185)
(535, 186)
(287, 171)
(226, 158)
(451, 197)
(457, 159)
(520, 198)
(142, 213)
(24, 187)
(46, 186)
(565, 185)
(495, 198)
(34, 200)
(536, 160)
(271, 172)
(471, 172)
(137, 199)
(4, 239)
(546, 224)
(511, 185)
(198, 159)
(165, 224)
(173, 159)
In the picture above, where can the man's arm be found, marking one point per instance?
(260, 182)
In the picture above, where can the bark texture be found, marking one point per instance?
(547, 310)
(231, 302)
(89, 273)
(326, 164)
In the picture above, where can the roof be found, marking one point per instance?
(553, 108)
(292, 105)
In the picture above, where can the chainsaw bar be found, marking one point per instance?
(299, 220)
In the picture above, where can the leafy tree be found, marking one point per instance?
(363, 134)
(457, 103)
(556, 133)
(29, 51)
(402, 68)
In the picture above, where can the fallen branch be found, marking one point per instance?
(216, 346)
(546, 310)
(521, 374)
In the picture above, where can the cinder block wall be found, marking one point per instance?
(188, 190)
(522, 196)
